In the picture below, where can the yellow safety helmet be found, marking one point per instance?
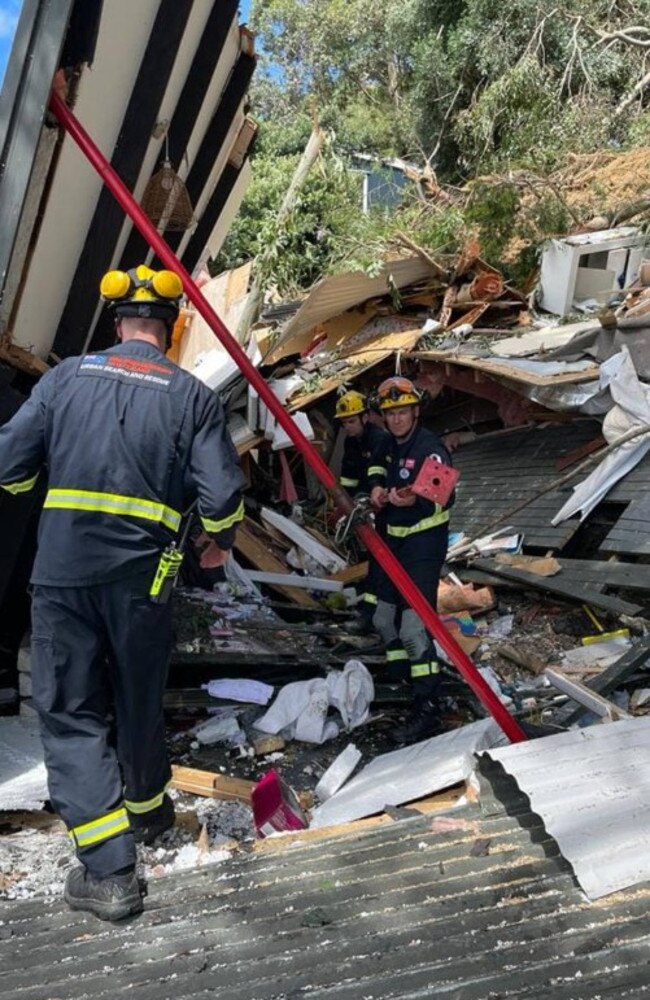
(397, 391)
(350, 404)
(143, 292)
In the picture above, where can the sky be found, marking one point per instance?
(10, 9)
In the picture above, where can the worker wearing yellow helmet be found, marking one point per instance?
(416, 531)
(143, 293)
(363, 467)
(130, 441)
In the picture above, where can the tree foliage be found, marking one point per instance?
(461, 87)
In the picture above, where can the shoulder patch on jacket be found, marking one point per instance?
(131, 371)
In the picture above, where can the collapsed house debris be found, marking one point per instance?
(268, 661)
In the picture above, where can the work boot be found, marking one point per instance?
(147, 826)
(112, 898)
(422, 722)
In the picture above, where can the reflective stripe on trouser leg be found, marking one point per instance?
(71, 694)
(425, 669)
(369, 599)
(139, 808)
(102, 828)
(425, 678)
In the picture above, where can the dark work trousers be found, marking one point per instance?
(98, 651)
(369, 601)
(422, 555)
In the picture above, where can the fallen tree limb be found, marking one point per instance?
(633, 94)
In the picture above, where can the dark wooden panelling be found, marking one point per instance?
(572, 589)
(189, 104)
(631, 533)
(130, 149)
(209, 218)
(215, 136)
(499, 473)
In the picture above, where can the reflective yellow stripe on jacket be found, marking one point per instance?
(22, 487)
(344, 481)
(113, 503)
(377, 470)
(100, 829)
(224, 522)
(402, 531)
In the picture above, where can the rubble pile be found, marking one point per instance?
(273, 686)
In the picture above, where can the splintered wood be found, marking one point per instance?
(256, 551)
(212, 786)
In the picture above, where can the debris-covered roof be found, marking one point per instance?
(468, 904)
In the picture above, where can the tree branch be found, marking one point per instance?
(629, 98)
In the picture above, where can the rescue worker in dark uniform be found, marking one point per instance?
(417, 533)
(130, 441)
(365, 451)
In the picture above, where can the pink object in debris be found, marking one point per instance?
(275, 806)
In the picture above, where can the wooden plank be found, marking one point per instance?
(255, 552)
(211, 785)
(213, 210)
(609, 679)
(440, 802)
(351, 574)
(585, 696)
(571, 590)
(634, 576)
(490, 366)
(214, 138)
(303, 582)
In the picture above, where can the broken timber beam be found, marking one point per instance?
(211, 785)
(570, 590)
(608, 680)
(585, 696)
(259, 555)
(351, 574)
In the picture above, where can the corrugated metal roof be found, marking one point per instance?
(592, 789)
(334, 295)
(466, 907)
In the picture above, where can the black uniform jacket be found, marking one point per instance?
(365, 457)
(129, 440)
(404, 462)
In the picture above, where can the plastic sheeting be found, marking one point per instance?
(301, 709)
(631, 409)
(408, 774)
(23, 781)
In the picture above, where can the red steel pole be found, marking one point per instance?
(371, 539)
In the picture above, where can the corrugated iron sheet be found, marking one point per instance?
(334, 295)
(468, 907)
(592, 789)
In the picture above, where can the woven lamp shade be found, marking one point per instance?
(167, 202)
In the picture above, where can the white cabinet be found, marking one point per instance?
(589, 265)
